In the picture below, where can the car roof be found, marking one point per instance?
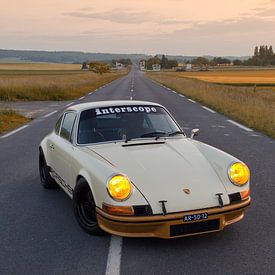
(109, 103)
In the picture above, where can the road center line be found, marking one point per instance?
(15, 131)
(114, 256)
(208, 109)
(193, 101)
(240, 125)
(49, 114)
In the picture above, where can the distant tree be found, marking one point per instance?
(99, 67)
(237, 62)
(201, 61)
(172, 64)
(256, 51)
(151, 61)
(164, 62)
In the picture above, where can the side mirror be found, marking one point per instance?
(194, 133)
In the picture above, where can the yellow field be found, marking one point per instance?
(39, 66)
(233, 77)
(252, 107)
(32, 83)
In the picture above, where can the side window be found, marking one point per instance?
(67, 125)
(57, 125)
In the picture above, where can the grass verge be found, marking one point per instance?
(256, 109)
(10, 120)
(51, 85)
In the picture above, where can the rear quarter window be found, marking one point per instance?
(67, 125)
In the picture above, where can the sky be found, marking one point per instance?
(177, 27)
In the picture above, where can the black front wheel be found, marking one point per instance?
(44, 170)
(85, 208)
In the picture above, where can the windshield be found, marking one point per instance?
(124, 123)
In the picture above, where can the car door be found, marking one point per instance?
(62, 150)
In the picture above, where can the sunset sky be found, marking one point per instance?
(197, 27)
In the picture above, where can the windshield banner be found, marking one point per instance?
(125, 109)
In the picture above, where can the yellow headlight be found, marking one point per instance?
(119, 187)
(239, 173)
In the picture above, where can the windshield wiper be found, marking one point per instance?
(176, 133)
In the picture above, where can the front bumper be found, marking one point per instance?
(172, 225)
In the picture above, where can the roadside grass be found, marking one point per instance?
(25, 85)
(256, 109)
(10, 120)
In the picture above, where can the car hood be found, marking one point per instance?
(161, 170)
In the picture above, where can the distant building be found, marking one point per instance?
(156, 67)
(85, 66)
(142, 65)
(188, 67)
(119, 66)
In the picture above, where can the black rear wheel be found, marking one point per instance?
(44, 170)
(85, 208)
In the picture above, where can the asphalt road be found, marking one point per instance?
(39, 235)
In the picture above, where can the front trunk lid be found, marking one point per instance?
(173, 170)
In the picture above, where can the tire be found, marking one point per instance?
(85, 208)
(44, 171)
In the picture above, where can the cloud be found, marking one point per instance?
(266, 13)
(122, 16)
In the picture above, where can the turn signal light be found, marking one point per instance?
(245, 194)
(118, 210)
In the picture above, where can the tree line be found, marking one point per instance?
(164, 62)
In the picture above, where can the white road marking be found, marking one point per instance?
(208, 109)
(168, 89)
(193, 101)
(131, 98)
(114, 256)
(49, 114)
(95, 90)
(90, 93)
(181, 95)
(81, 97)
(174, 92)
(240, 125)
(132, 90)
(69, 104)
(15, 131)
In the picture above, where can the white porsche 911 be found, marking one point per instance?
(131, 171)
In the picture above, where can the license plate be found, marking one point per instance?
(195, 217)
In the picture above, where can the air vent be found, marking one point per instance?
(142, 143)
(193, 228)
(142, 210)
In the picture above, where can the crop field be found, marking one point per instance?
(49, 81)
(235, 77)
(38, 67)
(252, 107)
(39, 81)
